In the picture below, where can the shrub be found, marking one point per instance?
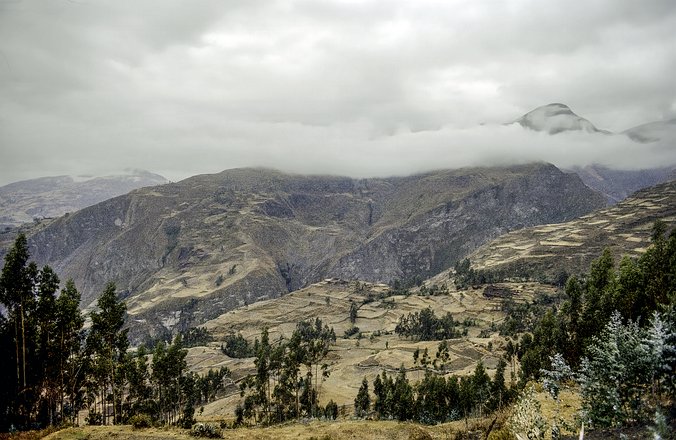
(219, 280)
(208, 430)
(527, 419)
(139, 421)
(94, 418)
(331, 410)
(235, 346)
(351, 332)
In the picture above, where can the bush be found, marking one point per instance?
(331, 410)
(351, 332)
(139, 421)
(208, 430)
(235, 346)
(527, 420)
(94, 418)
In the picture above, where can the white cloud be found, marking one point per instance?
(351, 87)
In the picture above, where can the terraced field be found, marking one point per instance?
(379, 347)
(624, 228)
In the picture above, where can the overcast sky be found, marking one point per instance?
(362, 88)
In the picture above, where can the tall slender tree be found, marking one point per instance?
(70, 355)
(17, 294)
(107, 343)
(46, 355)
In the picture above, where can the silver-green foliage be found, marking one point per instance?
(527, 421)
(553, 380)
(626, 368)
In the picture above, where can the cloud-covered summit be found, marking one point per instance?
(556, 118)
(359, 88)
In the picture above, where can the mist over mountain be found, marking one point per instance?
(614, 182)
(652, 131)
(556, 118)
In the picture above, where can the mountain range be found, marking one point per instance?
(186, 252)
(541, 251)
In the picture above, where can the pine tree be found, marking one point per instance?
(353, 312)
(498, 391)
(315, 340)
(362, 403)
(402, 397)
(614, 375)
(481, 386)
(432, 400)
(140, 392)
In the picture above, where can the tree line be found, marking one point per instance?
(425, 326)
(53, 368)
(435, 398)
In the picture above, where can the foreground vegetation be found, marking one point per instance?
(52, 368)
(611, 340)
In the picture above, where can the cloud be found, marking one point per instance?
(349, 87)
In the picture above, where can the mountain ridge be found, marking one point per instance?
(184, 252)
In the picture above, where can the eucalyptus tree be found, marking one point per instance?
(107, 344)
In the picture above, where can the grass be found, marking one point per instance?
(29, 435)
(344, 429)
(121, 432)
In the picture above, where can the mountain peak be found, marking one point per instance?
(555, 118)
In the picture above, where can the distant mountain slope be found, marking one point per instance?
(556, 118)
(653, 131)
(46, 197)
(617, 185)
(624, 228)
(186, 252)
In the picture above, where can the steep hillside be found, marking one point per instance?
(46, 197)
(625, 228)
(184, 253)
